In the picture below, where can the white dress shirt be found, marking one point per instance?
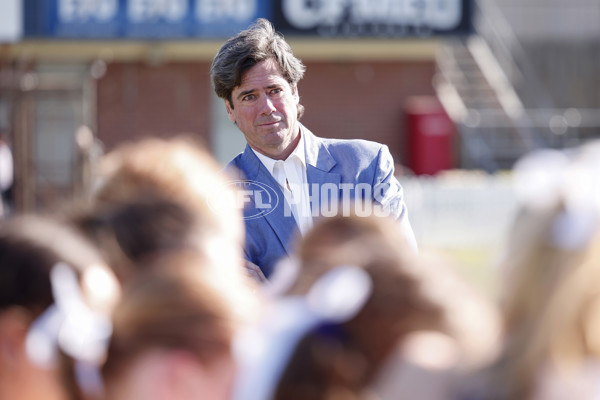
(291, 177)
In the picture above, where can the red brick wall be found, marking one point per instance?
(137, 100)
(343, 100)
(363, 99)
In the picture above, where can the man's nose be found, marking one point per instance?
(267, 106)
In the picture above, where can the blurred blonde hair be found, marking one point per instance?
(398, 305)
(550, 304)
(416, 291)
(178, 169)
(345, 364)
(30, 248)
(179, 303)
(162, 194)
(550, 297)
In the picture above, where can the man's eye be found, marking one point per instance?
(275, 91)
(248, 97)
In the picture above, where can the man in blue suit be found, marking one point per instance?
(291, 176)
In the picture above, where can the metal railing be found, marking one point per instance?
(492, 25)
(528, 117)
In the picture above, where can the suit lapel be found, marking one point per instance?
(319, 163)
(250, 164)
(283, 225)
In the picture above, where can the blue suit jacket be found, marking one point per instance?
(330, 163)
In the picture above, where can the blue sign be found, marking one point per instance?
(189, 19)
(84, 19)
(148, 19)
(373, 18)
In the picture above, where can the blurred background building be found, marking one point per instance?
(446, 84)
(124, 69)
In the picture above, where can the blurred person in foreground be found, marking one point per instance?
(56, 295)
(163, 194)
(364, 318)
(173, 332)
(6, 176)
(292, 175)
(550, 295)
(163, 214)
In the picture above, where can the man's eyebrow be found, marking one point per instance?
(245, 92)
(249, 91)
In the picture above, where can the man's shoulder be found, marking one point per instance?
(235, 167)
(358, 146)
(235, 161)
(341, 146)
(351, 155)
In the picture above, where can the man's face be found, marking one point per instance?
(265, 108)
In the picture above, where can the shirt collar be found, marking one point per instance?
(298, 154)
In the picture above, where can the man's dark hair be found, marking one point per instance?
(240, 53)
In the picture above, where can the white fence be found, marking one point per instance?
(460, 209)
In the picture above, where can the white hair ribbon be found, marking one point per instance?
(544, 177)
(72, 326)
(263, 352)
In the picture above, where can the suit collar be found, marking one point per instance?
(283, 225)
(298, 153)
(319, 162)
(317, 154)
(249, 163)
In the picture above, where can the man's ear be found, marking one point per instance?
(229, 109)
(295, 94)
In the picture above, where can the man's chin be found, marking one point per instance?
(274, 137)
(275, 129)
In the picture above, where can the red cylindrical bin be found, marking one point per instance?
(430, 134)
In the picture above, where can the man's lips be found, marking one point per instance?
(269, 123)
